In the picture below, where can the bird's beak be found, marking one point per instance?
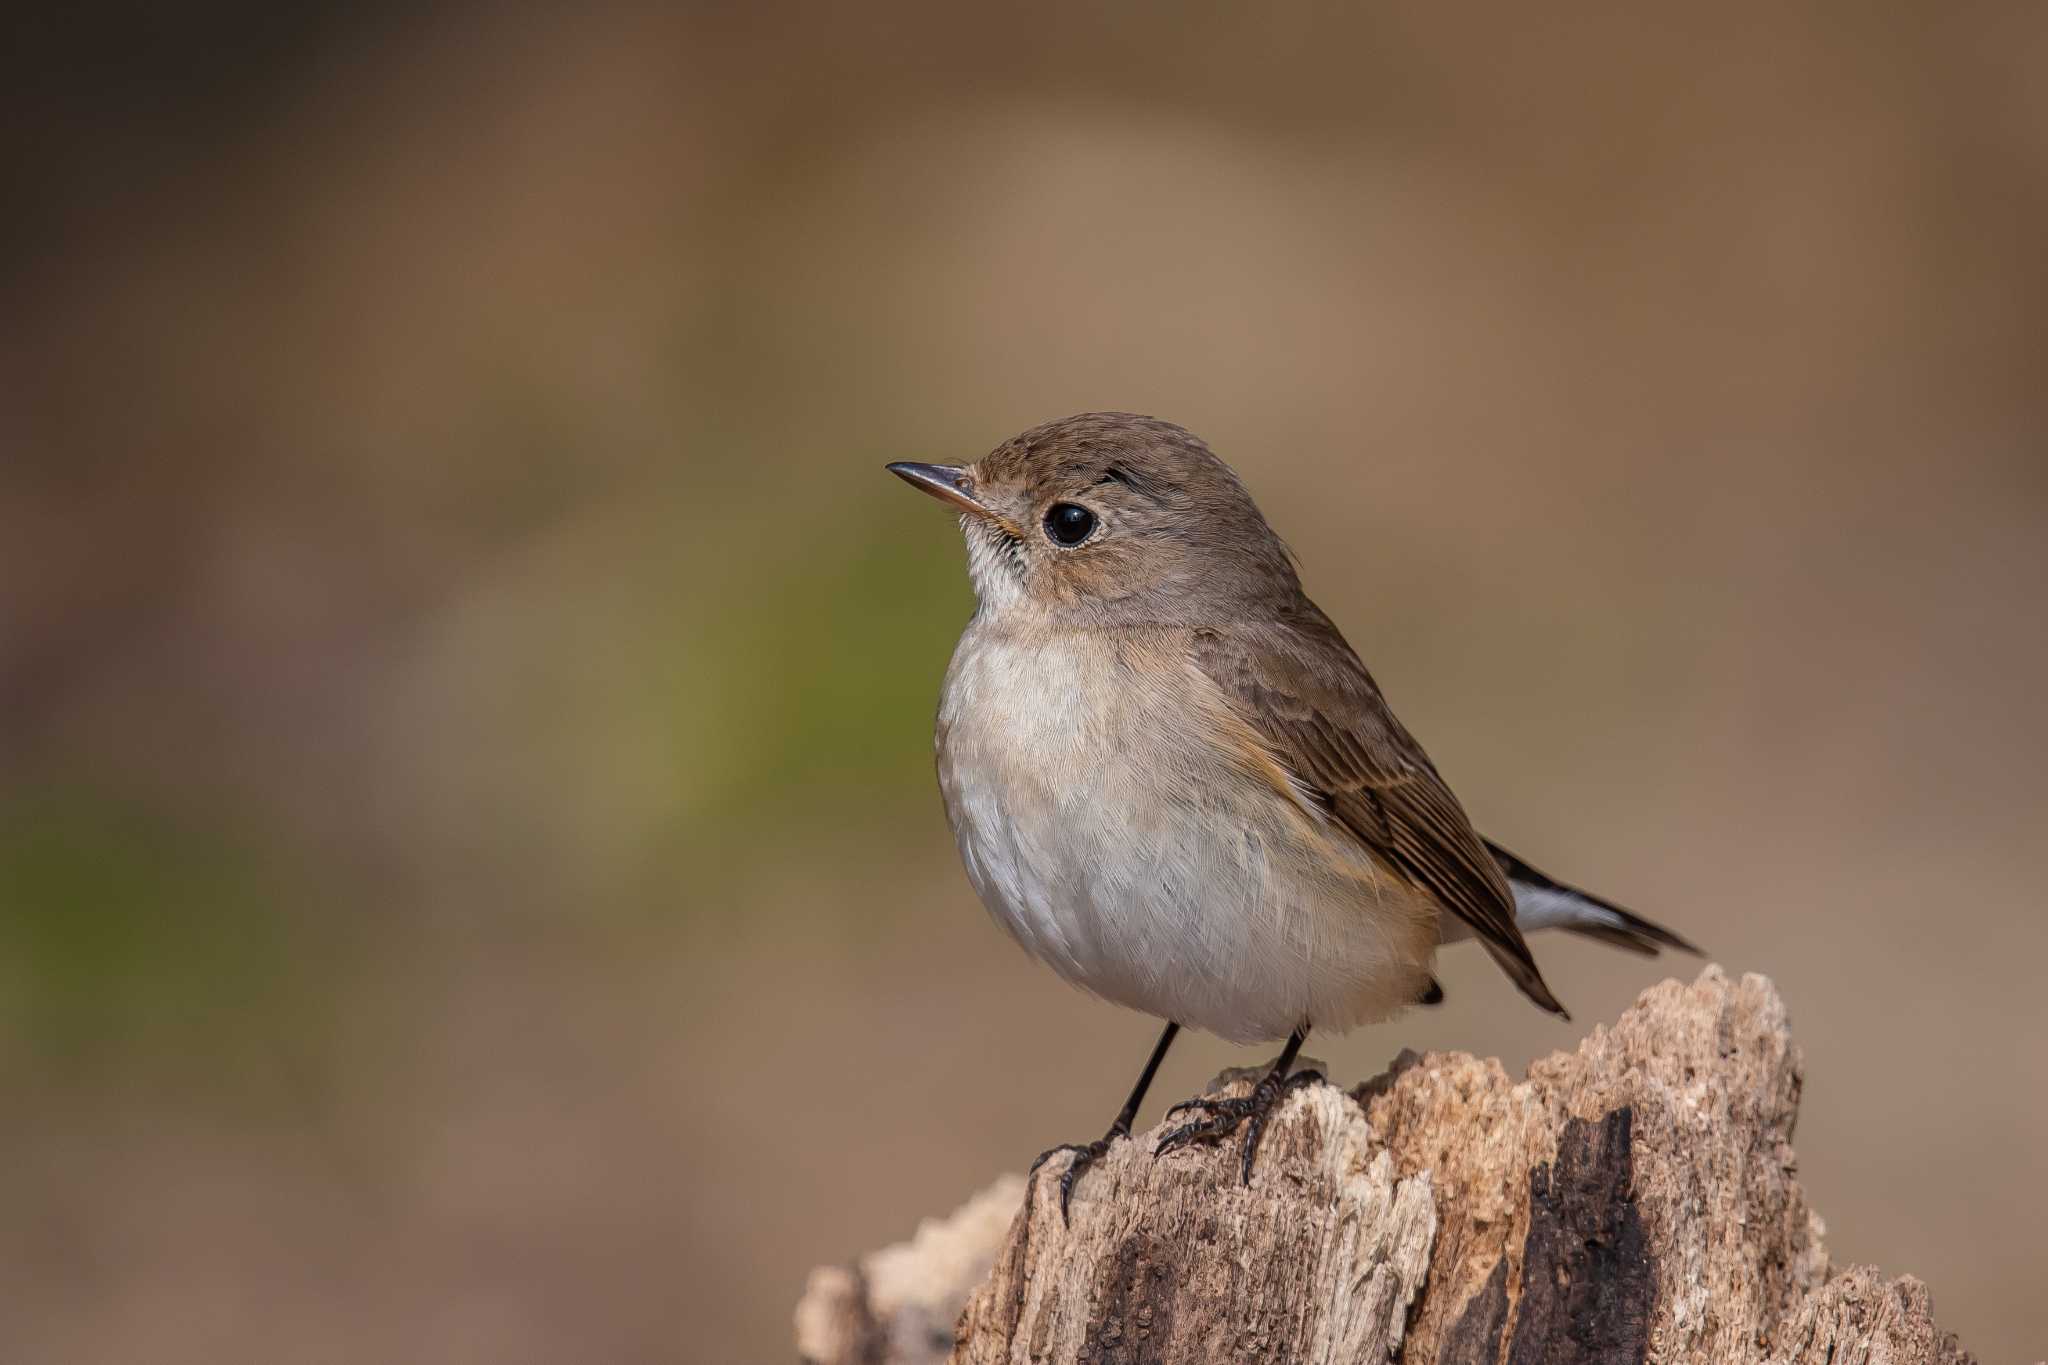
(946, 482)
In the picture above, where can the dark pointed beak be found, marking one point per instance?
(946, 482)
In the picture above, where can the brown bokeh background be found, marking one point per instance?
(471, 884)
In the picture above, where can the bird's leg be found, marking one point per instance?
(1224, 1115)
(1086, 1153)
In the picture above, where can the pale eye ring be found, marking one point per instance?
(1068, 523)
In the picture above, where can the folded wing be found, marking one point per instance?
(1298, 684)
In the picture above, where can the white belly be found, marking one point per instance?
(1134, 858)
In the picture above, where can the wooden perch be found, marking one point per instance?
(1634, 1200)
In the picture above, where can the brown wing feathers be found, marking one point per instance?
(1300, 686)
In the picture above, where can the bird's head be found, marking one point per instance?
(1111, 518)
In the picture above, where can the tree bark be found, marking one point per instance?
(1634, 1200)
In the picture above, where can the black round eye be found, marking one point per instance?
(1068, 523)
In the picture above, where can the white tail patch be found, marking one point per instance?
(1546, 907)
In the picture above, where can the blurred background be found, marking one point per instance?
(472, 886)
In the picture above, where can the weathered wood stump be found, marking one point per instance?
(1632, 1201)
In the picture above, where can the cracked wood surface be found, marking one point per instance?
(1633, 1200)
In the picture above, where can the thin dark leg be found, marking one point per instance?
(1129, 1113)
(1086, 1153)
(1225, 1115)
(1285, 1062)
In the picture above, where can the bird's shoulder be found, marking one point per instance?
(1300, 682)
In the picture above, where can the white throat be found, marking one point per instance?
(994, 565)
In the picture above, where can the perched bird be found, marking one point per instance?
(1173, 782)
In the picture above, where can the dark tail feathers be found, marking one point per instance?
(1543, 902)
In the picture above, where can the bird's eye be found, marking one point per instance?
(1068, 523)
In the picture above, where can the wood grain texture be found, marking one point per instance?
(1633, 1200)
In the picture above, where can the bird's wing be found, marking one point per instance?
(1302, 689)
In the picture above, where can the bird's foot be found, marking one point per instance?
(1224, 1116)
(1086, 1154)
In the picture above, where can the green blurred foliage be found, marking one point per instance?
(134, 940)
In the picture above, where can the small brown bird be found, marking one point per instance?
(1173, 781)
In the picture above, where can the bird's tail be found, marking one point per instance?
(1543, 902)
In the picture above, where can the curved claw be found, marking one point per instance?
(1217, 1103)
(1051, 1152)
(1086, 1154)
(1219, 1126)
(1081, 1162)
(1226, 1114)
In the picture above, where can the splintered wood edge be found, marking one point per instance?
(1635, 1196)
